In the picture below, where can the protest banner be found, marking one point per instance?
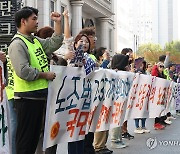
(73, 100)
(110, 112)
(4, 137)
(138, 101)
(158, 97)
(176, 96)
(80, 103)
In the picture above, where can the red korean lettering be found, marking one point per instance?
(81, 124)
(71, 124)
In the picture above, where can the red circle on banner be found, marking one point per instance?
(55, 130)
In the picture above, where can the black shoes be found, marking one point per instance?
(127, 136)
(104, 151)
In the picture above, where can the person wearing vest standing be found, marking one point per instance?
(31, 75)
(10, 106)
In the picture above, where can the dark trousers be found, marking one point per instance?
(160, 119)
(29, 122)
(51, 150)
(88, 144)
(76, 147)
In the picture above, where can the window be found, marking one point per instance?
(62, 18)
(110, 39)
(52, 9)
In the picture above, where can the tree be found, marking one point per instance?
(173, 46)
(151, 52)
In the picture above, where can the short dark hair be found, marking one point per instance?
(125, 51)
(171, 64)
(119, 61)
(88, 31)
(162, 58)
(45, 32)
(25, 13)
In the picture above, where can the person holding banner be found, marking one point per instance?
(119, 62)
(100, 137)
(31, 75)
(130, 67)
(82, 41)
(60, 56)
(142, 129)
(12, 115)
(89, 138)
(157, 71)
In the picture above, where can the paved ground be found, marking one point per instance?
(168, 140)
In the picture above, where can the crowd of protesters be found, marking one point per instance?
(28, 59)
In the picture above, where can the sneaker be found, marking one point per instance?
(127, 136)
(178, 113)
(145, 130)
(118, 145)
(138, 131)
(168, 121)
(171, 118)
(158, 126)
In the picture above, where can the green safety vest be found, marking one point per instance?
(93, 57)
(166, 73)
(10, 84)
(38, 60)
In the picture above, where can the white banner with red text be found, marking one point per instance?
(78, 104)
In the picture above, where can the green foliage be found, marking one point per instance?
(173, 46)
(151, 52)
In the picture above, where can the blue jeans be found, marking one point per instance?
(76, 147)
(12, 116)
(143, 120)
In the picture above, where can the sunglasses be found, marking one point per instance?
(161, 66)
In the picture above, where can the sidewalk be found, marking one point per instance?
(168, 140)
(170, 135)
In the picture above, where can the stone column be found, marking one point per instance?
(76, 17)
(104, 33)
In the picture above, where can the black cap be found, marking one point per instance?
(171, 64)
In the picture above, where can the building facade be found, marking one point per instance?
(123, 26)
(134, 23)
(83, 13)
(166, 21)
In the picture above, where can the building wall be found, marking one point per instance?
(99, 11)
(123, 25)
(166, 21)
